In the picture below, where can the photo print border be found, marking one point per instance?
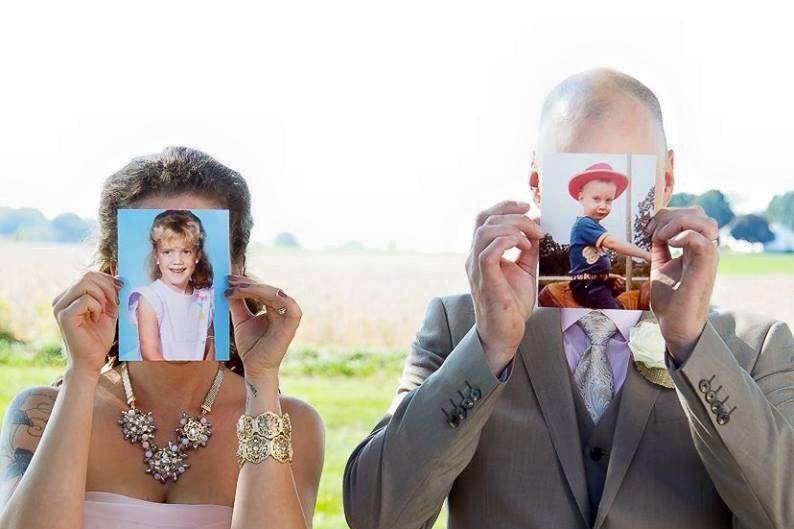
(630, 212)
(134, 247)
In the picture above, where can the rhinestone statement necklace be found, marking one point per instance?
(167, 462)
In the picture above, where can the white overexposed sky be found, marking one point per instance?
(373, 121)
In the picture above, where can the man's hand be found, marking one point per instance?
(681, 287)
(503, 291)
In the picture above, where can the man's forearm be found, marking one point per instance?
(400, 475)
(742, 424)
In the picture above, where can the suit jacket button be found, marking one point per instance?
(454, 420)
(475, 394)
(704, 386)
(723, 418)
(710, 396)
(596, 453)
(467, 403)
(716, 408)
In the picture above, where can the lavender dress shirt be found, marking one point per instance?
(618, 353)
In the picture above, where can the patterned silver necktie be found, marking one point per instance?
(593, 374)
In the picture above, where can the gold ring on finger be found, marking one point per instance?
(281, 311)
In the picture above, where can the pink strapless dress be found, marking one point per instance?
(107, 510)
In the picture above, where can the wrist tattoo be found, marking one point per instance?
(250, 393)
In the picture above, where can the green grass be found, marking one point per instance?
(350, 407)
(732, 263)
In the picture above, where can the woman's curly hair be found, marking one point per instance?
(174, 171)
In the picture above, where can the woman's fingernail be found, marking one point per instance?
(281, 293)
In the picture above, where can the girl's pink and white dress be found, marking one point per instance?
(107, 510)
(183, 319)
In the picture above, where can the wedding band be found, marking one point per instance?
(281, 311)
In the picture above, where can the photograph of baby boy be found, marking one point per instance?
(594, 209)
(173, 264)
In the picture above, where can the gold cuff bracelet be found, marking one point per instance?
(262, 436)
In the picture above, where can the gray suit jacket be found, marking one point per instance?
(507, 454)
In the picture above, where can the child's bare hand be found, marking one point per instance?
(86, 313)
(616, 282)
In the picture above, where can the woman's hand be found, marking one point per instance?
(261, 339)
(86, 313)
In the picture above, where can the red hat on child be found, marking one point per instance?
(598, 171)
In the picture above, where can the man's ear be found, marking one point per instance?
(669, 177)
(534, 180)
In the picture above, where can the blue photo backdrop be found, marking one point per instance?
(134, 250)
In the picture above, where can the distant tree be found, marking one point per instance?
(553, 257)
(36, 232)
(680, 200)
(286, 240)
(752, 228)
(781, 209)
(352, 246)
(15, 220)
(716, 206)
(70, 228)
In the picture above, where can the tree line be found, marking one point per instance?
(753, 227)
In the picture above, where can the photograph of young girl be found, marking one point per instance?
(174, 308)
(596, 254)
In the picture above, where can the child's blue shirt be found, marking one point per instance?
(585, 255)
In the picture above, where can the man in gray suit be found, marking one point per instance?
(520, 422)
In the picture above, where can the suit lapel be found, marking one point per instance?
(544, 360)
(636, 404)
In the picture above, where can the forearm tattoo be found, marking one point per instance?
(25, 419)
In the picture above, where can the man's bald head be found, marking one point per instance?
(587, 104)
(604, 111)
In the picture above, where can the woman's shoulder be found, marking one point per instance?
(39, 396)
(301, 412)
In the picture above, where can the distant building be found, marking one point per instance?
(783, 241)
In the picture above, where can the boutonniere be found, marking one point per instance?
(647, 350)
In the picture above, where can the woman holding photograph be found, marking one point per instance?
(173, 314)
(97, 450)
